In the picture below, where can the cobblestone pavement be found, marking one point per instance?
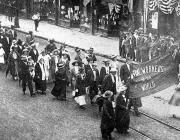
(70, 37)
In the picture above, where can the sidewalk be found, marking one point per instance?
(68, 36)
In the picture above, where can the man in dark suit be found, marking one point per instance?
(51, 46)
(92, 55)
(34, 53)
(30, 39)
(104, 71)
(133, 47)
(92, 81)
(109, 82)
(78, 53)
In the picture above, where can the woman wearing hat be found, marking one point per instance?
(53, 63)
(40, 76)
(122, 114)
(74, 72)
(108, 116)
(80, 88)
(13, 63)
(61, 79)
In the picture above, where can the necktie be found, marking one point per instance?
(94, 72)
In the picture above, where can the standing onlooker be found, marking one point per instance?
(2, 55)
(91, 54)
(40, 76)
(13, 33)
(108, 117)
(30, 39)
(78, 55)
(36, 18)
(61, 79)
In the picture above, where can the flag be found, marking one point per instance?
(130, 6)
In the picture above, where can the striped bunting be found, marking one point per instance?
(167, 6)
(178, 9)
(152, 5)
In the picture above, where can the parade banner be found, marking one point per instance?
(153, 76)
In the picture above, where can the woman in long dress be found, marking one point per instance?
(122, 114)
(80, 89)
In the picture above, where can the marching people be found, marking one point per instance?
(26, 72)
(61, 79)
(104, 71)
(108, 116)
(80, 88)
(51, 46)
(36, 19)
(122, 117)
(30, 39)
(40, 77)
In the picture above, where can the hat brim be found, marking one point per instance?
(79, 63)
(105, 96)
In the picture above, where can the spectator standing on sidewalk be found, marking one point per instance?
(51, 46)
(36, 18)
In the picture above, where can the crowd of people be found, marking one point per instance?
(108, 87)
(142, 47)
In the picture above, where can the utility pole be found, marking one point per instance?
(16, 20)
(57, 11)
(92, 17)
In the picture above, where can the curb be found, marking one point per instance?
(70, 46)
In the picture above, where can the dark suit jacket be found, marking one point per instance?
(102, 74)
(78, 58)
(107, 84)
(38, 72)
(124, 73)
(6, 45)
(90, 77)
(30, 39)
(33, 55)
(13, 36)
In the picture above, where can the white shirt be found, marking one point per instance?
(94, 72)
(2, 53)
(43, 71)
(112, 77)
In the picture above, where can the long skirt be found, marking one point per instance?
(59, 89)
(40, 85)
(122, 120)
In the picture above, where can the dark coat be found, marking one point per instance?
(38, 73)
(6, 45)
(80, 85)
(93, 57)
(61, 80)
(90, 77)
(24, 72)
(125, 73)
(108, 116)
(33, 55)
(30, 39)
(107, 84)
(122, 115)
(87, 67)
(102, 74)
(13, 36)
